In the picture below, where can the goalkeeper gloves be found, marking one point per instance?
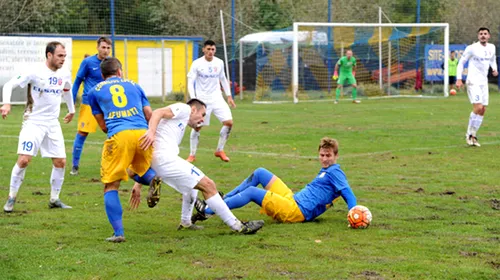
(335, 75)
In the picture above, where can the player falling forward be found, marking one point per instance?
(347, 66)
(481, 56)
(166, 129)
(204, 80)
(90, 74)
(41, 130)
(280, 203)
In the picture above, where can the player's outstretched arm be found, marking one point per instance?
(461, 63)
(148, 138)
(349, 197)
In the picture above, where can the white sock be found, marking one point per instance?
(471, 123)
(220, 209)
(224, 135)
(16, 179)
(56, 181)
(194, 138)
(478, 120)
(188, 200)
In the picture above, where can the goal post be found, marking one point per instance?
(393, 59)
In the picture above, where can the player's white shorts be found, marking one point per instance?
(221, 111)
(46, 138)
(178, 173)
(478, 94)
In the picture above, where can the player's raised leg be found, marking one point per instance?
(260, 176)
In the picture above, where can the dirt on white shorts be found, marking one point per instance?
(48, 139)
(178, 173)
(478, 93)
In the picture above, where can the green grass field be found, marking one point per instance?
(435, 202)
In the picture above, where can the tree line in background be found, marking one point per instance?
(201, 18)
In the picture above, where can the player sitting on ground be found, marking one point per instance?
(280, 203)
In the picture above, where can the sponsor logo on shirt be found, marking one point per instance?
(47, 90)
(322, 175)
(181, 126)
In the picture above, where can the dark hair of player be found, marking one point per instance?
(103, 39)
(110, 66)
(483, 28)
(197, 103)
(209, 43)
(51, 48)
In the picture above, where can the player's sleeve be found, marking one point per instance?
(341, 186)
(349, 197)
(192, 75)
(80, 76)
(223, 81)
(180, 110)
(144, 98)
(67, 96)
(461, 63)
(18, 81)
(493, 60)
(94, 105)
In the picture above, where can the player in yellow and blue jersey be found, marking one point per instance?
(122, 110)
(280, 203)
(90, 74)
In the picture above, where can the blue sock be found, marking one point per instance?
(146, 178)
(243, 198)
(259, 176)
(114, 211)
(77, 148)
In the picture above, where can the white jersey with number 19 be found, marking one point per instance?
(47, 87)
(480, 59)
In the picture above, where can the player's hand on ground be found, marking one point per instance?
(147, 140)
(495, 73)
(68, 117)
(231, 101)
(135, 196)
(5, 110)
(459, 83)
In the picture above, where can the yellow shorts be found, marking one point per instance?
(279, 204)
(122, 151)
(86, 120)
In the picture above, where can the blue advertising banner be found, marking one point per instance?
(434, 61)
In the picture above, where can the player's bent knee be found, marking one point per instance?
(228, 123)
(23, 161)
(59, 162)
(130, 173)
(207, 187)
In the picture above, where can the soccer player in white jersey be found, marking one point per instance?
(481, 56)
(204, 80)
(41, 130)
(166, 129)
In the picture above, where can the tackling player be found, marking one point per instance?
(166, 129)
(121, 109)
(41, 130)
(90, 74)
(280, 203)
(481, 56)
(347, 65)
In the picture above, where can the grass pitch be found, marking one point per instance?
(435, 202)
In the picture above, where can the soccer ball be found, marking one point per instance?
(359, 217)
(453, 92)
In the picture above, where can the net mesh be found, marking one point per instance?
(402, 56)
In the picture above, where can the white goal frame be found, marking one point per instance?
(296, 25)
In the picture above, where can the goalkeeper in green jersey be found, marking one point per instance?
(347, 65)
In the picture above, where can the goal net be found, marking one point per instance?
(391, 60)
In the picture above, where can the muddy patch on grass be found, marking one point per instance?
(371, 275)
(495, 204)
